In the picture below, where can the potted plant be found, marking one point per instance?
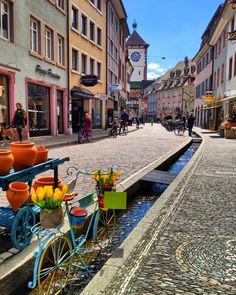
(105, 180)
(50, 201)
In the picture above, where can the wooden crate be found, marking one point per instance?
(230, 133)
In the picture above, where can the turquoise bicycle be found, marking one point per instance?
(54, 259)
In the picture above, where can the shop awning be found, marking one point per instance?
(211, 107)
(78, 92)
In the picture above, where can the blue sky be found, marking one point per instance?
(172, 28)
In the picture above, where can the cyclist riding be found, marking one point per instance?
(124, 120)
(114, 127)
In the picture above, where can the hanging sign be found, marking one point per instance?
(89, 80)
(232, 35)
(114, 87)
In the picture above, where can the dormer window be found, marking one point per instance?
(178, 73)
(193, 69)
(172, 74)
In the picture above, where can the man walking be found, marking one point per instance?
(124, 120)
(191, 120)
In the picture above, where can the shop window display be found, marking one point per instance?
(38, 110)
(4, 99)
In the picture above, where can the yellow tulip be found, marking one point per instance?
(39, 189)
(64, 189)
(34, 197)
(40, 196)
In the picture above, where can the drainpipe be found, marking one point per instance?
(69, 129)
(106, 101)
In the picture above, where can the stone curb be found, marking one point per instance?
(102, 279)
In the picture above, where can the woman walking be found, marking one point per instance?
(19, 119)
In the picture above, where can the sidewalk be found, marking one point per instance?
(62, 139)
(186, 242)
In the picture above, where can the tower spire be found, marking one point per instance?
(135, 24)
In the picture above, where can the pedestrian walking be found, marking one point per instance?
(191, 120)
(87, 121)
(124, 120)
(19, 119)
(184, 121)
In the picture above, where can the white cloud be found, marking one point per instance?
(152, 75)
(155, 67)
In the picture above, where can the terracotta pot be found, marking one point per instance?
(17, 194)
(52, 219)
(47, 180)
(6, 161)
(42, 155)
(24, 154)
(101, 189)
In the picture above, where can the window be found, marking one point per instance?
(92, 31)
(75, 63)
(84, 24)
(207, 58)
(230, 68)
(215, 51)
(232, 24)
(5, 15)
(218, 77)
(99, 5)
(61, 4)
(99, 36)
(92, 1)
(83, 64)
(74, 18)
(60, 50)
(222, 73)
(235, 64)
(99, 70)
(224, 38)
(215, 80)
(91, 66)
(48, 43)
(219, 45)
(34, 35)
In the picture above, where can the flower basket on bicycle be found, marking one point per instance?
(108, 198)
(50, 201)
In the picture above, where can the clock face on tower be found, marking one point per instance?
(135, 56)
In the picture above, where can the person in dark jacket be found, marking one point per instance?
(191, 120)
(124, 120)
(19, 119)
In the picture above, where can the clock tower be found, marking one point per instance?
(137, 52)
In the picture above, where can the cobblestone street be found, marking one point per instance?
(189, 247)
(128, 153)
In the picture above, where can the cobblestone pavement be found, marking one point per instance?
(125, 153)
(190, 246)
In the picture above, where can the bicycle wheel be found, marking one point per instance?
(80, 136)
(89, 136)
(54, 265)
(104, 227)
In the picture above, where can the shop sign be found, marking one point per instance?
(114, 87)
(208, 99)
(232, 35)
(48, 72)
(89, 80)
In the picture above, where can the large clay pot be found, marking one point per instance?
(24, 154)
(47, 180)
(17, 194)
(6, 161)
(42, 155)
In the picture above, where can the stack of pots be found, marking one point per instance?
(20, 156)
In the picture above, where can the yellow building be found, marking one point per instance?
(87, 59)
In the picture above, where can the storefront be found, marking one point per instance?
(82, 101)
(47, 108)
(213, 116)
(96, 113)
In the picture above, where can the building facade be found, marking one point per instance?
(87, 61)
(117, 32)
(33, 64)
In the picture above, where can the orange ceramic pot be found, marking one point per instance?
(24, 154)
(48, 180)
(6, 161)
(42, 155)
(17, 194)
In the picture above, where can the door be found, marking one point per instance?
(60, 118)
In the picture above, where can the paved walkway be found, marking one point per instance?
(186, 244)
